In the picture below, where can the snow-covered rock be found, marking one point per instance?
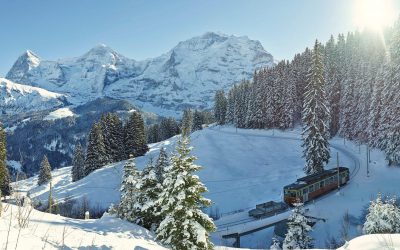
(187, 75)
(17, 98)
(373, 241)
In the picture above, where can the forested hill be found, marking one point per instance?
(361, 82)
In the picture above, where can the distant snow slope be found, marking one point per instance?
(187, 75)
(48, 231)
(16, 98)
(59, 114)
(243, 168)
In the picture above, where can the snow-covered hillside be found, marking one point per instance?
(16, 98)
(243, 168)
(187, 75)
(48, 231)
(373, 242)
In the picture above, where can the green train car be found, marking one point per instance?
(312, 186)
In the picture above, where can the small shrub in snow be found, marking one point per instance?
(382, 217)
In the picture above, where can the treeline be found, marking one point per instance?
(169, 127)
(362, 81)
(110, 140)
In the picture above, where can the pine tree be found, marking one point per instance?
(187, 121)
(96, 151)
(112, 131)
(44, 172)
(220, 107)
(135, 137)
(78, 162)
(298, 229)
(128, 208)
(161, 164)
(197, 121)
(4, 174)
(383, 217)
(315, 116)
(150, 189)
(184, 225)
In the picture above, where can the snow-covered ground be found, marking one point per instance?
(59, 114)
(48, 231)
(243, 168)
(373, 242)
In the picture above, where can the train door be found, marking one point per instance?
(305, 194)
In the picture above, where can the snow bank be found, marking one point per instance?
(48, 231)
(373, 242)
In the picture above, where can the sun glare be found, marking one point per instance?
(374, 14)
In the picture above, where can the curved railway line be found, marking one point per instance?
(355, 170)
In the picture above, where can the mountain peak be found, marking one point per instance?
(27, 61)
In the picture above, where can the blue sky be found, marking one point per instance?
(141, 29)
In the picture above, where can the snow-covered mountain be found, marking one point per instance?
(17, 98)
(186, 76)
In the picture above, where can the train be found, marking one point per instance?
(305, 189)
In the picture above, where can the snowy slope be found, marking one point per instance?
(243, 168)
(48, 231)
(187, 75)
(16, 98)
(373, 242)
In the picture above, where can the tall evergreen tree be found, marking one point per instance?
(128, 208)
(44, 172)
(197, 121)
(220, 107)
(135, 137)
(315, 116)
(297, 236)
(112, 130)
(4, 174)
(78, 162)
(161, 164)
(150, 190)
(184, 225)
(187, 122)
(96, 151)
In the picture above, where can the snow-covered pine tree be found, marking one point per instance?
(161, 164)
(4, 174)
(95, 152)
(129, 208)
(197, 121)
(44, 171)
(149, 207)
(220, 107)
(297, 236)
(78, 163)
(135, 137)
(383, 217)
(184, 225)
(230, 110)
(187, 121)
(275, 245)
(315, 116)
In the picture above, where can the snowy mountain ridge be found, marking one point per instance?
(186, 76)
(16, 98)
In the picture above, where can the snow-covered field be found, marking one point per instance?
(48, 231)
(243, 168)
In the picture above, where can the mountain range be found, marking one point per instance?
(187, 76)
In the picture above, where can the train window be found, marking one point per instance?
(311, 188)
(321, 184)
(305, 190)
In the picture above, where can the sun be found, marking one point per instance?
(374, 14)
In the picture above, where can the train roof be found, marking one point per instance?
(309, 179)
